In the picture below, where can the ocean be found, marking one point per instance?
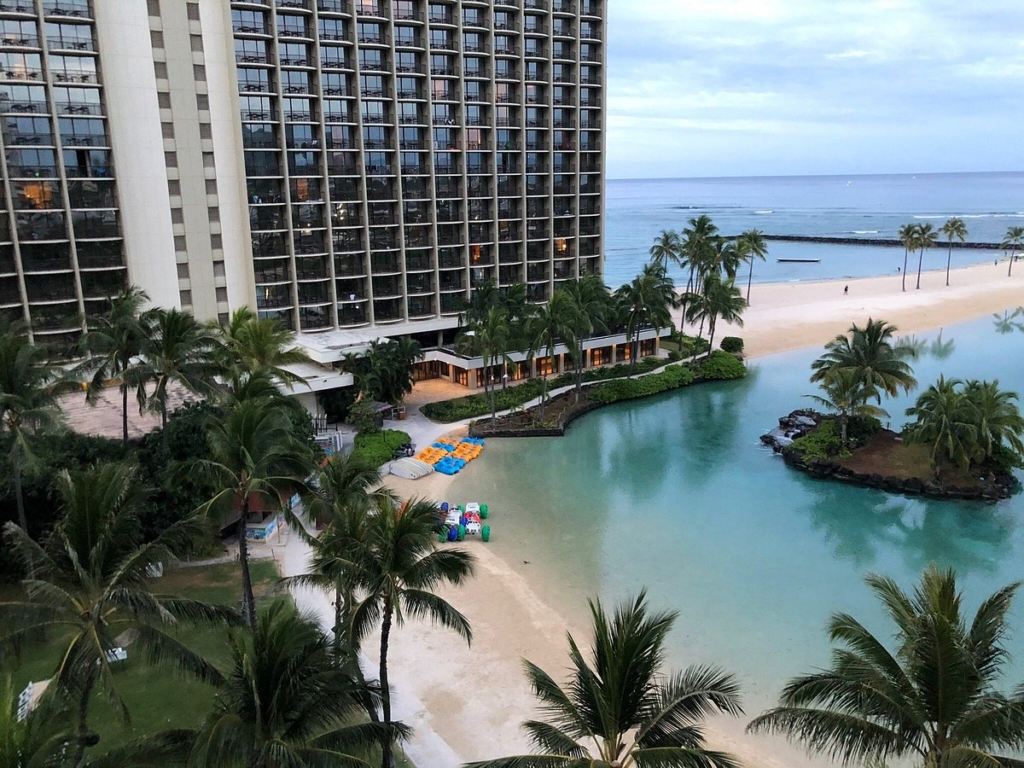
(871, 207)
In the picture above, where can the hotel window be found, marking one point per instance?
(291, 26)
(405, 35)
(296, 54)
(405, 61)
(294, 81)
(332, 29)
(544, 366)
(248, 21)
(371, 59)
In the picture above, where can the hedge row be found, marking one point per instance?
(378, 447)
(628, 389)
(721, 366)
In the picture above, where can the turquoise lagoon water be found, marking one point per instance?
(676, 494)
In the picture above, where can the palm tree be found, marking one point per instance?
(696, 245)
(719, 299)
(114, 344)
(646, 301)
(182, 350)
(388, 375)
(489, 338)
(254, 456)
(997, 416)
(250, 342)
(1013, 241)
(953, 229)
(944, 419)
(751, 245)
(400, 567)
(28, 383)
(552, 323)
(906, 237)
(284, 702)
(846, 395)
(595, 307)
(90, 582)
(40, 739)
(932, 699)
(666, 248)
(925, 237)
(620, 709)
(880, 364)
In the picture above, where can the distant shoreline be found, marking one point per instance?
(874, 241)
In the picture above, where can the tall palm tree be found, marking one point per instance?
(254, 456)
(181, 350)
(595, 308)
(906, 237)
(933, 698)
(387, 372)
(40, 739)
(697, 245)
(719, 299)
(925, 237)
(552, 323)
(845, 393)
(1012, 242)
(751, 245)
(489, 337)
(870, 351)
(113, 346)
(400, 567)
(666, 249)
(945, 420)
(90, 581)
(250, 342)
(28, 383)
(646, 301)
(953, 229)
(620, 709)
(284, 702)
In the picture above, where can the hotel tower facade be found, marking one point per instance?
(352, 168)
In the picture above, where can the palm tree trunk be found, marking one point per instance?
(750, 277)
(906, 252)
(844, 422)
(248, 598)
(579, 378)
(1009, 272)
(920, 261)
(387, 759)
(711, 335)
(124, 413)
(949, 258)
(337, 625)
(85, 737)
(20, 496)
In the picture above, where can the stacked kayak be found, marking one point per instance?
(448, 455)
(432, 454)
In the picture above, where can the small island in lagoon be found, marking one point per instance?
(963, 442)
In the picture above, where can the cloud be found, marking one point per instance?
(725, 87)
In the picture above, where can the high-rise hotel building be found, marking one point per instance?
(353, 168)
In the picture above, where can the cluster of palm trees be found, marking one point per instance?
(963, 422)
(934, 697)
(291, 695)
(917, 238)
(501, 321)
(966, 422)
(859, 367)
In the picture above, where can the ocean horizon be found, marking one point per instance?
(868, 207)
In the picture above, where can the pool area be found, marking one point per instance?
(677, 494)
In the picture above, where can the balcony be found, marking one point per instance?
(332, 6)
(421, 306)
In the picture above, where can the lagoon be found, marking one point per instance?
(676, 494)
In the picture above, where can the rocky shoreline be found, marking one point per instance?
(800, 423)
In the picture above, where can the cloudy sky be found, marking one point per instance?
(763, 87)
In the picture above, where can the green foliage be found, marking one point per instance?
(721, 366)
(1004, 460)
(471, 406)
(377, 448)
(628, 389)
(337, 402)
(732, 345)
(860, 429)
(823, 443)
(364, 417)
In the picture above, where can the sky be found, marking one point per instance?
(792, 87)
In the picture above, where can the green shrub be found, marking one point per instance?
(690, 346)
(721, 366)
(629, 389)
(823, 443)
(733, 345)
(378, 447)
(860, 428)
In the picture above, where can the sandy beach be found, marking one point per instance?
(467, 703)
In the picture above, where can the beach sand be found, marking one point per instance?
(467, 703)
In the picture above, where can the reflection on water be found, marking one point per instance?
(1007, 322)
(677, 494)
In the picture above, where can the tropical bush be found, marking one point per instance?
(825, 442)
(377, 448)
(628, 389)
(732, 345)
(721, 366)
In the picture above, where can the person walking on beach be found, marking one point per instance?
(846, 290)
